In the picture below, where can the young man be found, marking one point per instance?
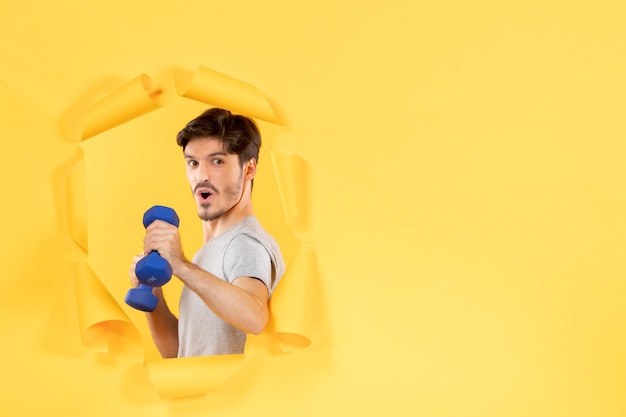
(228, 283)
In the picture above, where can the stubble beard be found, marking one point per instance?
(232, 193)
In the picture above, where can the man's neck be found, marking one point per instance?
(216, 227)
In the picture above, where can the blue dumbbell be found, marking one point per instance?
(152, 270)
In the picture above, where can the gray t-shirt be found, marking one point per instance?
(245, 249)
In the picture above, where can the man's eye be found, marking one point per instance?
(218, 161)
(192, 163)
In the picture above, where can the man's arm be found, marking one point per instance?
(242, 303)
(162, 323)
(163, 327)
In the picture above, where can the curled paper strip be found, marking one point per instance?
(132, 100)
(184, 377)
(217, 89)
(77, 205)
(291, 305)
(291, 176)
(104, 327)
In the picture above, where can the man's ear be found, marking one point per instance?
(250, 169)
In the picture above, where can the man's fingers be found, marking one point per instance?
(131, 273)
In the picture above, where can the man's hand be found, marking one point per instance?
(165, 239)
(131, 273)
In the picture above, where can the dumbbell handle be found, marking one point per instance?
(153, 270)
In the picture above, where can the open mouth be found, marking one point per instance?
(204, 196)
(204, 192)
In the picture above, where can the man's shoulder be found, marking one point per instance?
(250, 226)
(250, 230)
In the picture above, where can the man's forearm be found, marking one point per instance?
(244, 307)
(163, 327)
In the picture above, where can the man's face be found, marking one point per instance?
(216, 177)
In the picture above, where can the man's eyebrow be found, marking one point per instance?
(218, 153)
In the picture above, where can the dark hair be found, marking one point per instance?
(238, 134)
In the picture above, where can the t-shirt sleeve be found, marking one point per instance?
(247, 257)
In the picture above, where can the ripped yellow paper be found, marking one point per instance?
(132, 100)
(291, 174)
(291, 305)
(77, 205)
(218, 89)
(185, 377)
(104, 326)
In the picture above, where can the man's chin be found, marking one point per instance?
(207, 215)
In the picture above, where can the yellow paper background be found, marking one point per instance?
(465, 201)
(104, 326)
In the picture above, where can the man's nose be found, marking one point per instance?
(203, 173)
